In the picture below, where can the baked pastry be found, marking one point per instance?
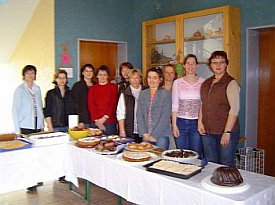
(175, 167)
(7, 137)
(106, 146)
(88, 142)
(14, 144)
(95, 132)
(226, 176)
(136, 156)
(143, 146)
(180, 153)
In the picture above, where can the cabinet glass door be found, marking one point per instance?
(160, 44)
(203, 35)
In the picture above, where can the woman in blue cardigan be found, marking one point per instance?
(154, 110)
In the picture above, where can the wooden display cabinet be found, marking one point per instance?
(200, 33)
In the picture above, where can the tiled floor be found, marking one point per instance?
(56, 193)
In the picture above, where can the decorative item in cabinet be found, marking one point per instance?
(159, 43)
(205, 37)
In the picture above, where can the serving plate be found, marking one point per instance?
(150, 167)
(117, 139)
(153, 158)
(119, 148)
(51, 138)
(140, 150)
(28, 145)
(206, 183)
(188, 159)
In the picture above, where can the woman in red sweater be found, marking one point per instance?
(102, 102)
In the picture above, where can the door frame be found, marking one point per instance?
(252, 85)
(122, 52)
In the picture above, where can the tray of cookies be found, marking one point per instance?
(173, 168)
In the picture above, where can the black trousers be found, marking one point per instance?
(29, 131)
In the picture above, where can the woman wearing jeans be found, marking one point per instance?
(218, 117)
(154, 110)
(185, 106)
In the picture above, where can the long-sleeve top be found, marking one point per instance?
(160, 113)
(23, 112)
(80, 95)
(58, 107)
(186, 98)
(102, 100)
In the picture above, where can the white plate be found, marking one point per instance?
(153, 158)
(46, 139)
(206, 183)
(179, 159)
(118, 149)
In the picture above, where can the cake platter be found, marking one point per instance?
(206, 183)
(153, 157)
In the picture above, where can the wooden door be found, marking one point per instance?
(99, 53)
(266, 110)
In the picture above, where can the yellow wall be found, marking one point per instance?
(36, 47)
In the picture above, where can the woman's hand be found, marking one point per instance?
(225, 139)
(149, 138)
(100, 125)
(201, 128)
(122, 133)
(176, 132)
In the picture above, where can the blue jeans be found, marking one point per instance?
(163, 142)
(60, 129)
(110, 128)
(214, 152)
(189, 137)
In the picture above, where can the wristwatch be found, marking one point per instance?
(227, 132)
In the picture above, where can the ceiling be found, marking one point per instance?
(14, 17)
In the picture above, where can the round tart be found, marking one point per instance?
(136, 156)
(88, 142)
(14, 144)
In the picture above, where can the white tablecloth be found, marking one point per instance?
(20, 169)
(139, 186)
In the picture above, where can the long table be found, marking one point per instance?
(23, 168)
(139, 186)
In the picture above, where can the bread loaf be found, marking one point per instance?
(8, 137)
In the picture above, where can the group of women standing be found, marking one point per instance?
(204, 112)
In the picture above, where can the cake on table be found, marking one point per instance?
(136, 156)
(226, 176)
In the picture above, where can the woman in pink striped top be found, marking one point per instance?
(186, 102)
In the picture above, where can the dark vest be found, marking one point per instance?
(129, 100)
(215, 105)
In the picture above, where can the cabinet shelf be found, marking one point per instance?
(203, 37)
(160, 64)
(169, 41)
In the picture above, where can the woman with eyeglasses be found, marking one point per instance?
(154, 110)
(218, 118)
(186, 102)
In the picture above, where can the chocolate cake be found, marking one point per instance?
(226, 176)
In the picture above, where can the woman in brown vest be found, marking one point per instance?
(218, 117)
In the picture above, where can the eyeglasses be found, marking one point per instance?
(218, 63)
(190, 64)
